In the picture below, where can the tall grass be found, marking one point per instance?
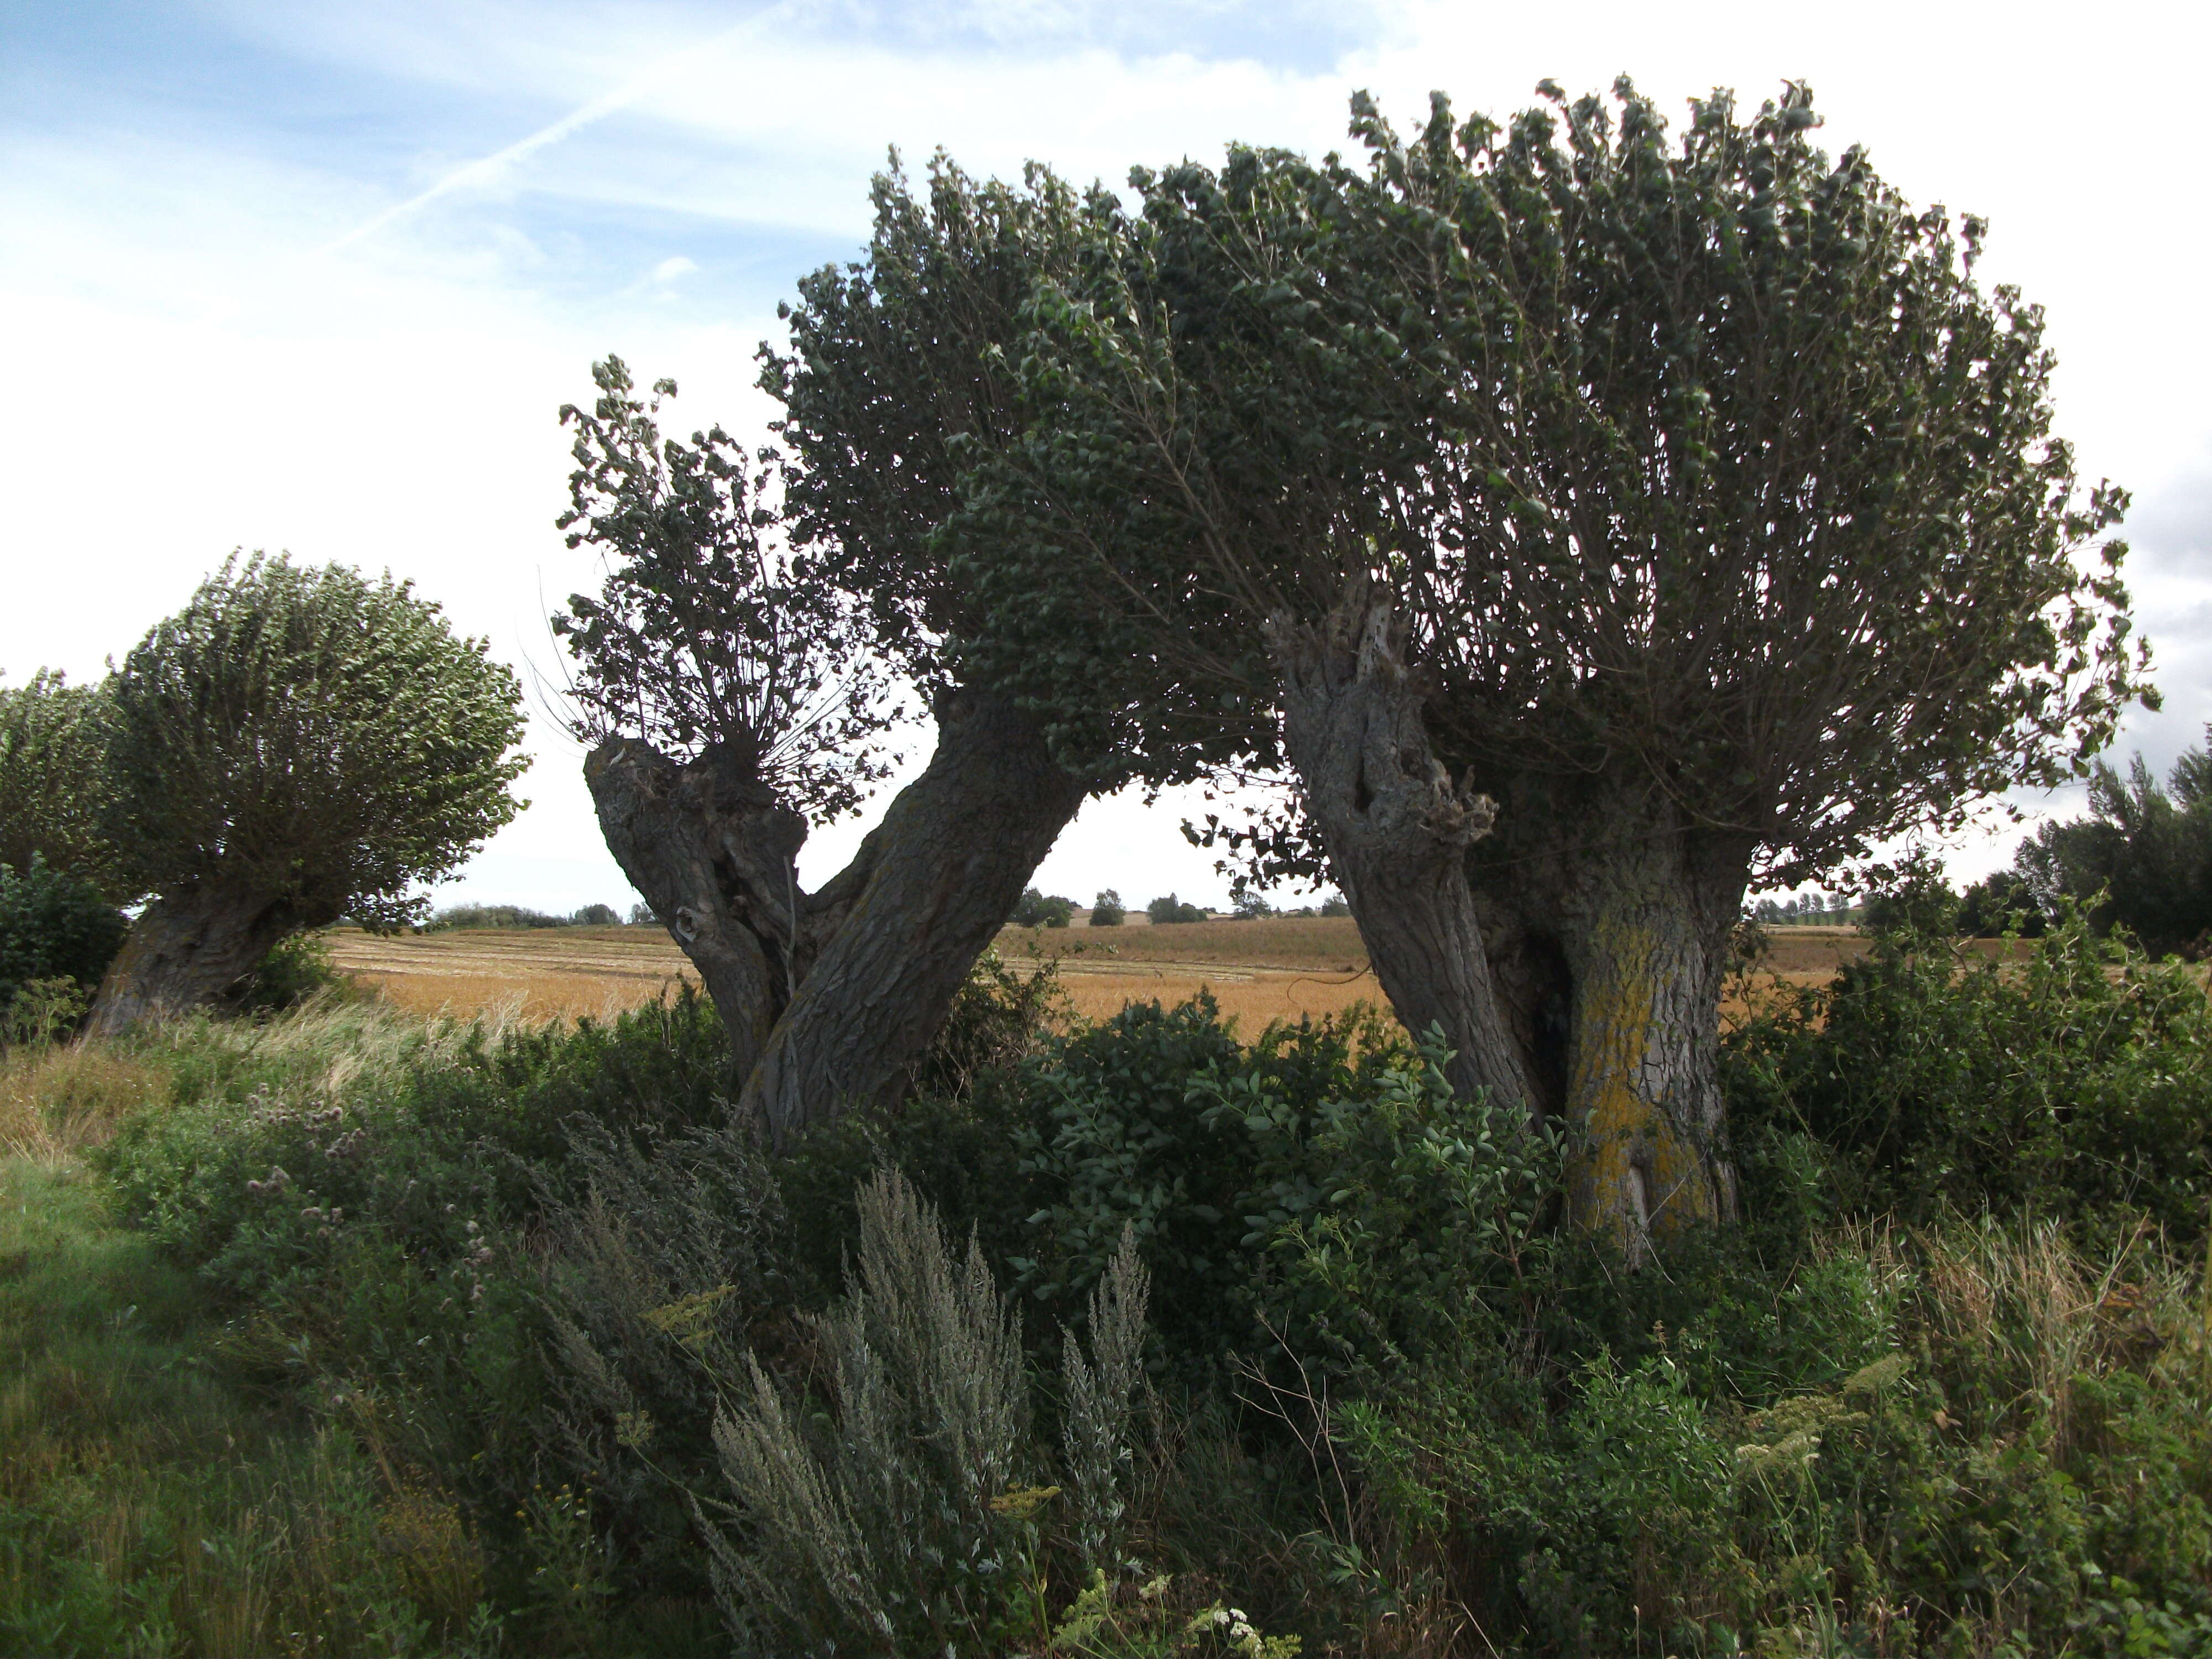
(60, 1100)
(149, 1508)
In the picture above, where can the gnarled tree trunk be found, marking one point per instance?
(716, 854)
(186, 950)
(831, 997)
(929, 890)
(1626, 918)
(1397, 830)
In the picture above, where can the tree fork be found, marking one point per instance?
(1397, 830)
(929, 890)
(830, 997)
(715, 855)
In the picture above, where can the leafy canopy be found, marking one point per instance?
(903, 376)
(709, 632)
(51, 738)
(1702, 464)
(310, 738)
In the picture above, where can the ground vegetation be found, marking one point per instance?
(499, 1340)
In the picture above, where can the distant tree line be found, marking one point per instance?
(1805, 909)
(518, 915)
(1037, 909)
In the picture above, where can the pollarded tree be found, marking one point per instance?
(51, 737)
(1628, 518)
(727, 694)
(295, 745)
(709, 767)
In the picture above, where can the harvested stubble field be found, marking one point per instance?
(1273, 968)
(1258, 971)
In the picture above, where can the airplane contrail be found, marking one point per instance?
(490, 167)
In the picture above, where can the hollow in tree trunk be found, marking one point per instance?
(186, 951)
(1397, 830)
(830, 998)
(1627, 919)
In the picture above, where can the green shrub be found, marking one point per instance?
(53, 926)
(2021, 1457)
(294, 969)
(2077, 1081)
(670, 1269)
(955, 1138)
(1170, 910)
(1321, 1189)
(1111, 1139)
(1107, 910)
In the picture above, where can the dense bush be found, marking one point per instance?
(1387, 1394)
(2076, 1082)
(53, 926)
(2019, 1466)
(1107, 910)
(1319, 1192)
(294, 969)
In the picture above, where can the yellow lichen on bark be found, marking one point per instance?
(1635, 1170)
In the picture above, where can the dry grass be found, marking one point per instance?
(1255, 999)
(532, 975)
(529, 998)
(57, 1101)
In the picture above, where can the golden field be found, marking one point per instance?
(1275, 968)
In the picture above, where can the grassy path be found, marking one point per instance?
(148, 1506)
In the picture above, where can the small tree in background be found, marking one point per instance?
(2141, 859)
(1168, 909)
(1999, 903)
(1246, 903)
(1106, 909)
(295, 745)
(52, 736)
(596, 915)
(1036, 909)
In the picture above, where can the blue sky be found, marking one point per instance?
(318, 277)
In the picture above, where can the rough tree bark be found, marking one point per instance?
(831, 997)
(715, 855)
(186, 950)
(1397, 830)
(1627, 919)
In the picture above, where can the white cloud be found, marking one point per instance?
(192, 373)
